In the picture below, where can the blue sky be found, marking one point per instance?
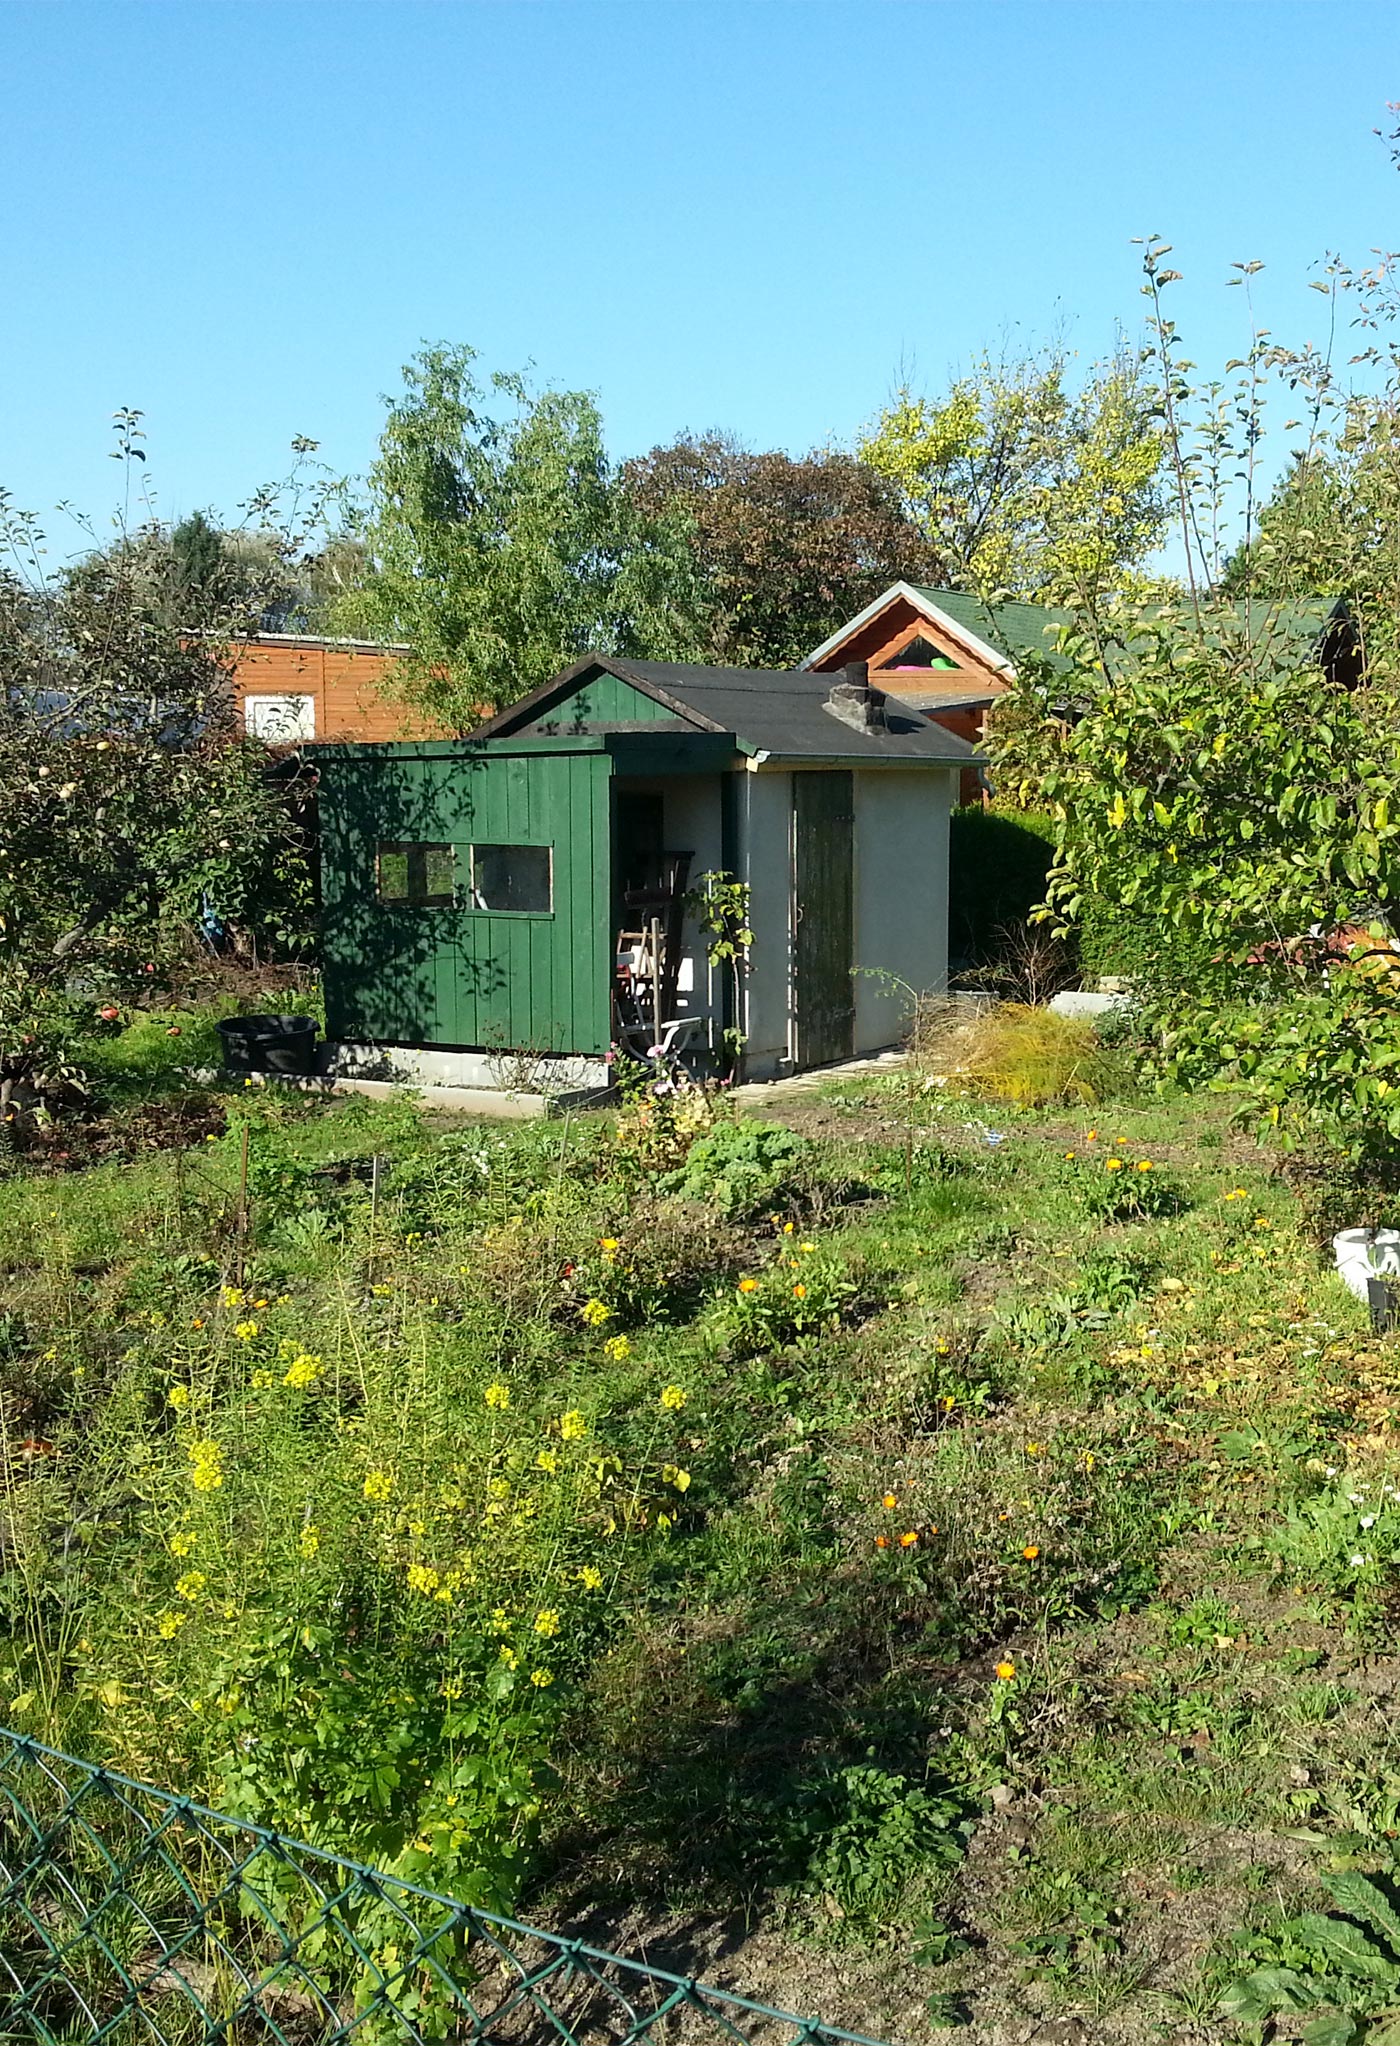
(242, 216)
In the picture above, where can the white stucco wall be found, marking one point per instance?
(901, 893)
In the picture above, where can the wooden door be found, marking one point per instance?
(823, 993)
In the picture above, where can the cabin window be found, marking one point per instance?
(515, 878)
(920, 653)
(421, 876)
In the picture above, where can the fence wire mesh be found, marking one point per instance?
(128, 1913)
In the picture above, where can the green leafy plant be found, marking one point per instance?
(740, 1168)
(1348, 1959)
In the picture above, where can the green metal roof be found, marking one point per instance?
(1012, 627)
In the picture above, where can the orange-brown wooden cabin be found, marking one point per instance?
(288, 687)
(943, 652)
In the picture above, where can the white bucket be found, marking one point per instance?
(1364, 1254)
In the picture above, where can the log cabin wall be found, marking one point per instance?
(883, 639)
(350, 687)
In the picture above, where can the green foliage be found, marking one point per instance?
(1126, 1189)
(784, 550)
(1342, 1535)
(804, 1294)
(866, 1835)
(499, 546)
(998, 865)
(740, 1168)
(1024, 485)
(1345, 1962)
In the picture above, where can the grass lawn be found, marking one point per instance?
(901, 1564)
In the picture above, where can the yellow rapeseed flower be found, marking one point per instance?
(595, 1313)
(191, 1584)
(206, 1466)
(572, 1425)
(179, 1397)
(547, 1622)
(245, 1330)
(609, 1246)
(590, 1579)
(673, 1398)
(378, 1486)
(498, 1396)
(788, 1228)
(262, 1380)
(541, 1678)
(232, 1296)
(422, 1577)
(617, 1348)
(309, 1541)
(303, 1371)
(182, 1543)
(169, 1625)
(547, 1460)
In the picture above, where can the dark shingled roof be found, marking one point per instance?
(767, 711)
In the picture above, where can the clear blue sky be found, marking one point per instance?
(243, 215)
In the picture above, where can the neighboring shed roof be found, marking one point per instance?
(778, 713)
(1013, 628)
(1004, 631)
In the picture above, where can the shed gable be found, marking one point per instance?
(597, 701)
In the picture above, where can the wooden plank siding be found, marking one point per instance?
(406, 974)
(351, 687)
(604, 701)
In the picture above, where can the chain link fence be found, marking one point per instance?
(128, 1914)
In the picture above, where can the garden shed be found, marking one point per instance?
(525, 893)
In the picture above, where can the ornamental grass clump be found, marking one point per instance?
(1021, 1056)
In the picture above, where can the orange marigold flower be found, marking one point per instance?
(799, 1292)
(748, 1285)
(1144, 1164)
(908, 1539)
(1030, 1552)
(1006, 1671)
(882, 1541)
(889, 1502)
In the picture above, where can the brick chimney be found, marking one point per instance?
(852, 699)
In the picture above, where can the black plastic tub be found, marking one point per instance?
(268, 1044)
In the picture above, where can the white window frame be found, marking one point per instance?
(280, 718)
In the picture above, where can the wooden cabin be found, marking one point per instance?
(943, 652)
(289, 688)
(527, 888)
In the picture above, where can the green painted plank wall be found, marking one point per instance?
(403, 974)
(601, 700)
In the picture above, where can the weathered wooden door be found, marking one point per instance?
(823, 993)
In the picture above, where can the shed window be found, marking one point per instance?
(513, 877)
(423, 875)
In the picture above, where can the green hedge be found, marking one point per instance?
(998, 861)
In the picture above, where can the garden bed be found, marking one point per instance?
(912, 1580)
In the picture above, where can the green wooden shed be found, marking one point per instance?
(510, 892)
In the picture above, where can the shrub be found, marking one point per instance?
(1029, 1058)
(740, 1168)
(998, 866)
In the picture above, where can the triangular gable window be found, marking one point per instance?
(920, 653)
